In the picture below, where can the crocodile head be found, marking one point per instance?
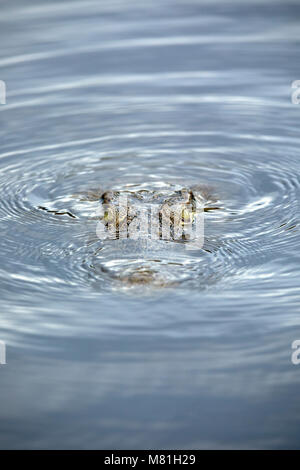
(158, 214)
(144, 231)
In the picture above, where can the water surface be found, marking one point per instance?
(164, 93)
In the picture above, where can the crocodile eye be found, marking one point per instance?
(109, 215)
(187, 215)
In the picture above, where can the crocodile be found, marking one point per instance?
(153, 256)
(178, 205)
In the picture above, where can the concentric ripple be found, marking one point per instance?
(146, 101)
(49, 215)
(144, 343)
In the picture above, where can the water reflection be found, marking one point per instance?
(115, 393)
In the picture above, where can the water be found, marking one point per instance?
(164, 93)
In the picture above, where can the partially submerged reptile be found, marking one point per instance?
(168, 214)
(120, 214)
(171, 214)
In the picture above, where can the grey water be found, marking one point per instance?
(126, 94)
